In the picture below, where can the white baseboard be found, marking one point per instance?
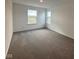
(6, 51)
(59, 32)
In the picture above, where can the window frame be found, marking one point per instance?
(47, 21)
(28, 16)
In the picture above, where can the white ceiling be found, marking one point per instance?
(46, 3)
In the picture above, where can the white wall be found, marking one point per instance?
(20, 17)
(8, 24)
(63, 19)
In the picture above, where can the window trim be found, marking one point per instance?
(49, 16)
(28, 16)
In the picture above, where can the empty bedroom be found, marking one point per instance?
(39, 29)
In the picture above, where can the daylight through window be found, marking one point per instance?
(32, 16)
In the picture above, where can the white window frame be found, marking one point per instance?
(49, 14)
(32, 13)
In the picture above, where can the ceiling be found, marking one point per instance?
(46, 3)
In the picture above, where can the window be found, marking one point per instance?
(32, 16)
(49, 17)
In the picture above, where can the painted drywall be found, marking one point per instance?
(8, 24)
(45, 4)
(62, 20)
(20, 17)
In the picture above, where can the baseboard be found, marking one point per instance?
(9, 45)
(60, 33)
(30, 30)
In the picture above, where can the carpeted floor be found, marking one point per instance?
(41, 44)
